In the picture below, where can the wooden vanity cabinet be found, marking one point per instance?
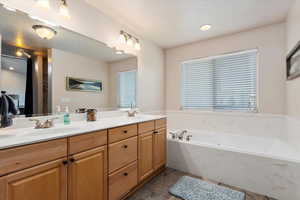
(159, 147)
(152, 147)
(47, 181)
(87, 175)
(108, 164)
(145, 155)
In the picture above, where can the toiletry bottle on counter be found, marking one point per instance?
(67, 120)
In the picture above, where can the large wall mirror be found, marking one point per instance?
(67, 69)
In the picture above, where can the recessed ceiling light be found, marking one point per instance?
(205, 27)
(9, 8)
(11, 68)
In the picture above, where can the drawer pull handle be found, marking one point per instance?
(125, 174)
(65, 162)
(125, 146)
(155, 132)
(125, 131)
(72, 160)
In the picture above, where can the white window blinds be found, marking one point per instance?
(226, 82)
(127, 89)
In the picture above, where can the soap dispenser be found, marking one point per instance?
(67, 119)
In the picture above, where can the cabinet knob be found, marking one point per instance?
(125, 174)
(125, 146)
(65, 162)
(72, 159)
(125, 131)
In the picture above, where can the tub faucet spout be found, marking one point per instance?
(181, 135)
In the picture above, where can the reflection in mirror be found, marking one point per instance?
(43, 76)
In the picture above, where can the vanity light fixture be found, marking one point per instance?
(63, 9)
(137, 45)
(122, 37)
(205, 27)
(126, 38)
(44, 32)
(130, 41)
(43, 3)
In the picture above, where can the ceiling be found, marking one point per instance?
(170, 23)
(16, 29)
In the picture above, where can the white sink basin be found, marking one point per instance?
(53, 130)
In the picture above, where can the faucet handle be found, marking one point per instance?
(188, 138)
(174, 135)
(38, 123)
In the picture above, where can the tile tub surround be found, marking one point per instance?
(13, 137)
(157, 188)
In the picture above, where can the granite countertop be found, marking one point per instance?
(14, 137)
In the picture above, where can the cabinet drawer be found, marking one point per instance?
(146, 127)
(160, 123)
(122, 181)
(122, 153)
(87, 141)
(30, 155)
(121, 133)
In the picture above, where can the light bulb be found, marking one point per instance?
(19, 53)
(63, 9)
(122, 38)
(137, 46)
(11, 68)
(205, 27)
(43, 3)
(130, 41)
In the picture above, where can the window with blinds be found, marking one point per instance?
(226, 82)
(127, 89)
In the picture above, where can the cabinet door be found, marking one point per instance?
(145, 155)
(88, 175)
(46, 182)
(159, 148)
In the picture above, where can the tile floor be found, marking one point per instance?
(157, 188)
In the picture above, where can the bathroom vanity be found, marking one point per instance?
(97, 162)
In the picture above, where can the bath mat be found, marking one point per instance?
(189, 188)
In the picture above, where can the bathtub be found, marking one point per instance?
(264, 165)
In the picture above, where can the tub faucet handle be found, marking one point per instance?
(188, 138)
(174, 135)
(181, 134)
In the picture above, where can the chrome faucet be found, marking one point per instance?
(132, 112)
(188, 138)
(181, 135)
(42, 125)
(174, 135)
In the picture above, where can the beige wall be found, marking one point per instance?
(293, 36)
(13, 83)
(68, 64)
(114, 69)
(269, 40)
(102, 28)
(151, 78)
